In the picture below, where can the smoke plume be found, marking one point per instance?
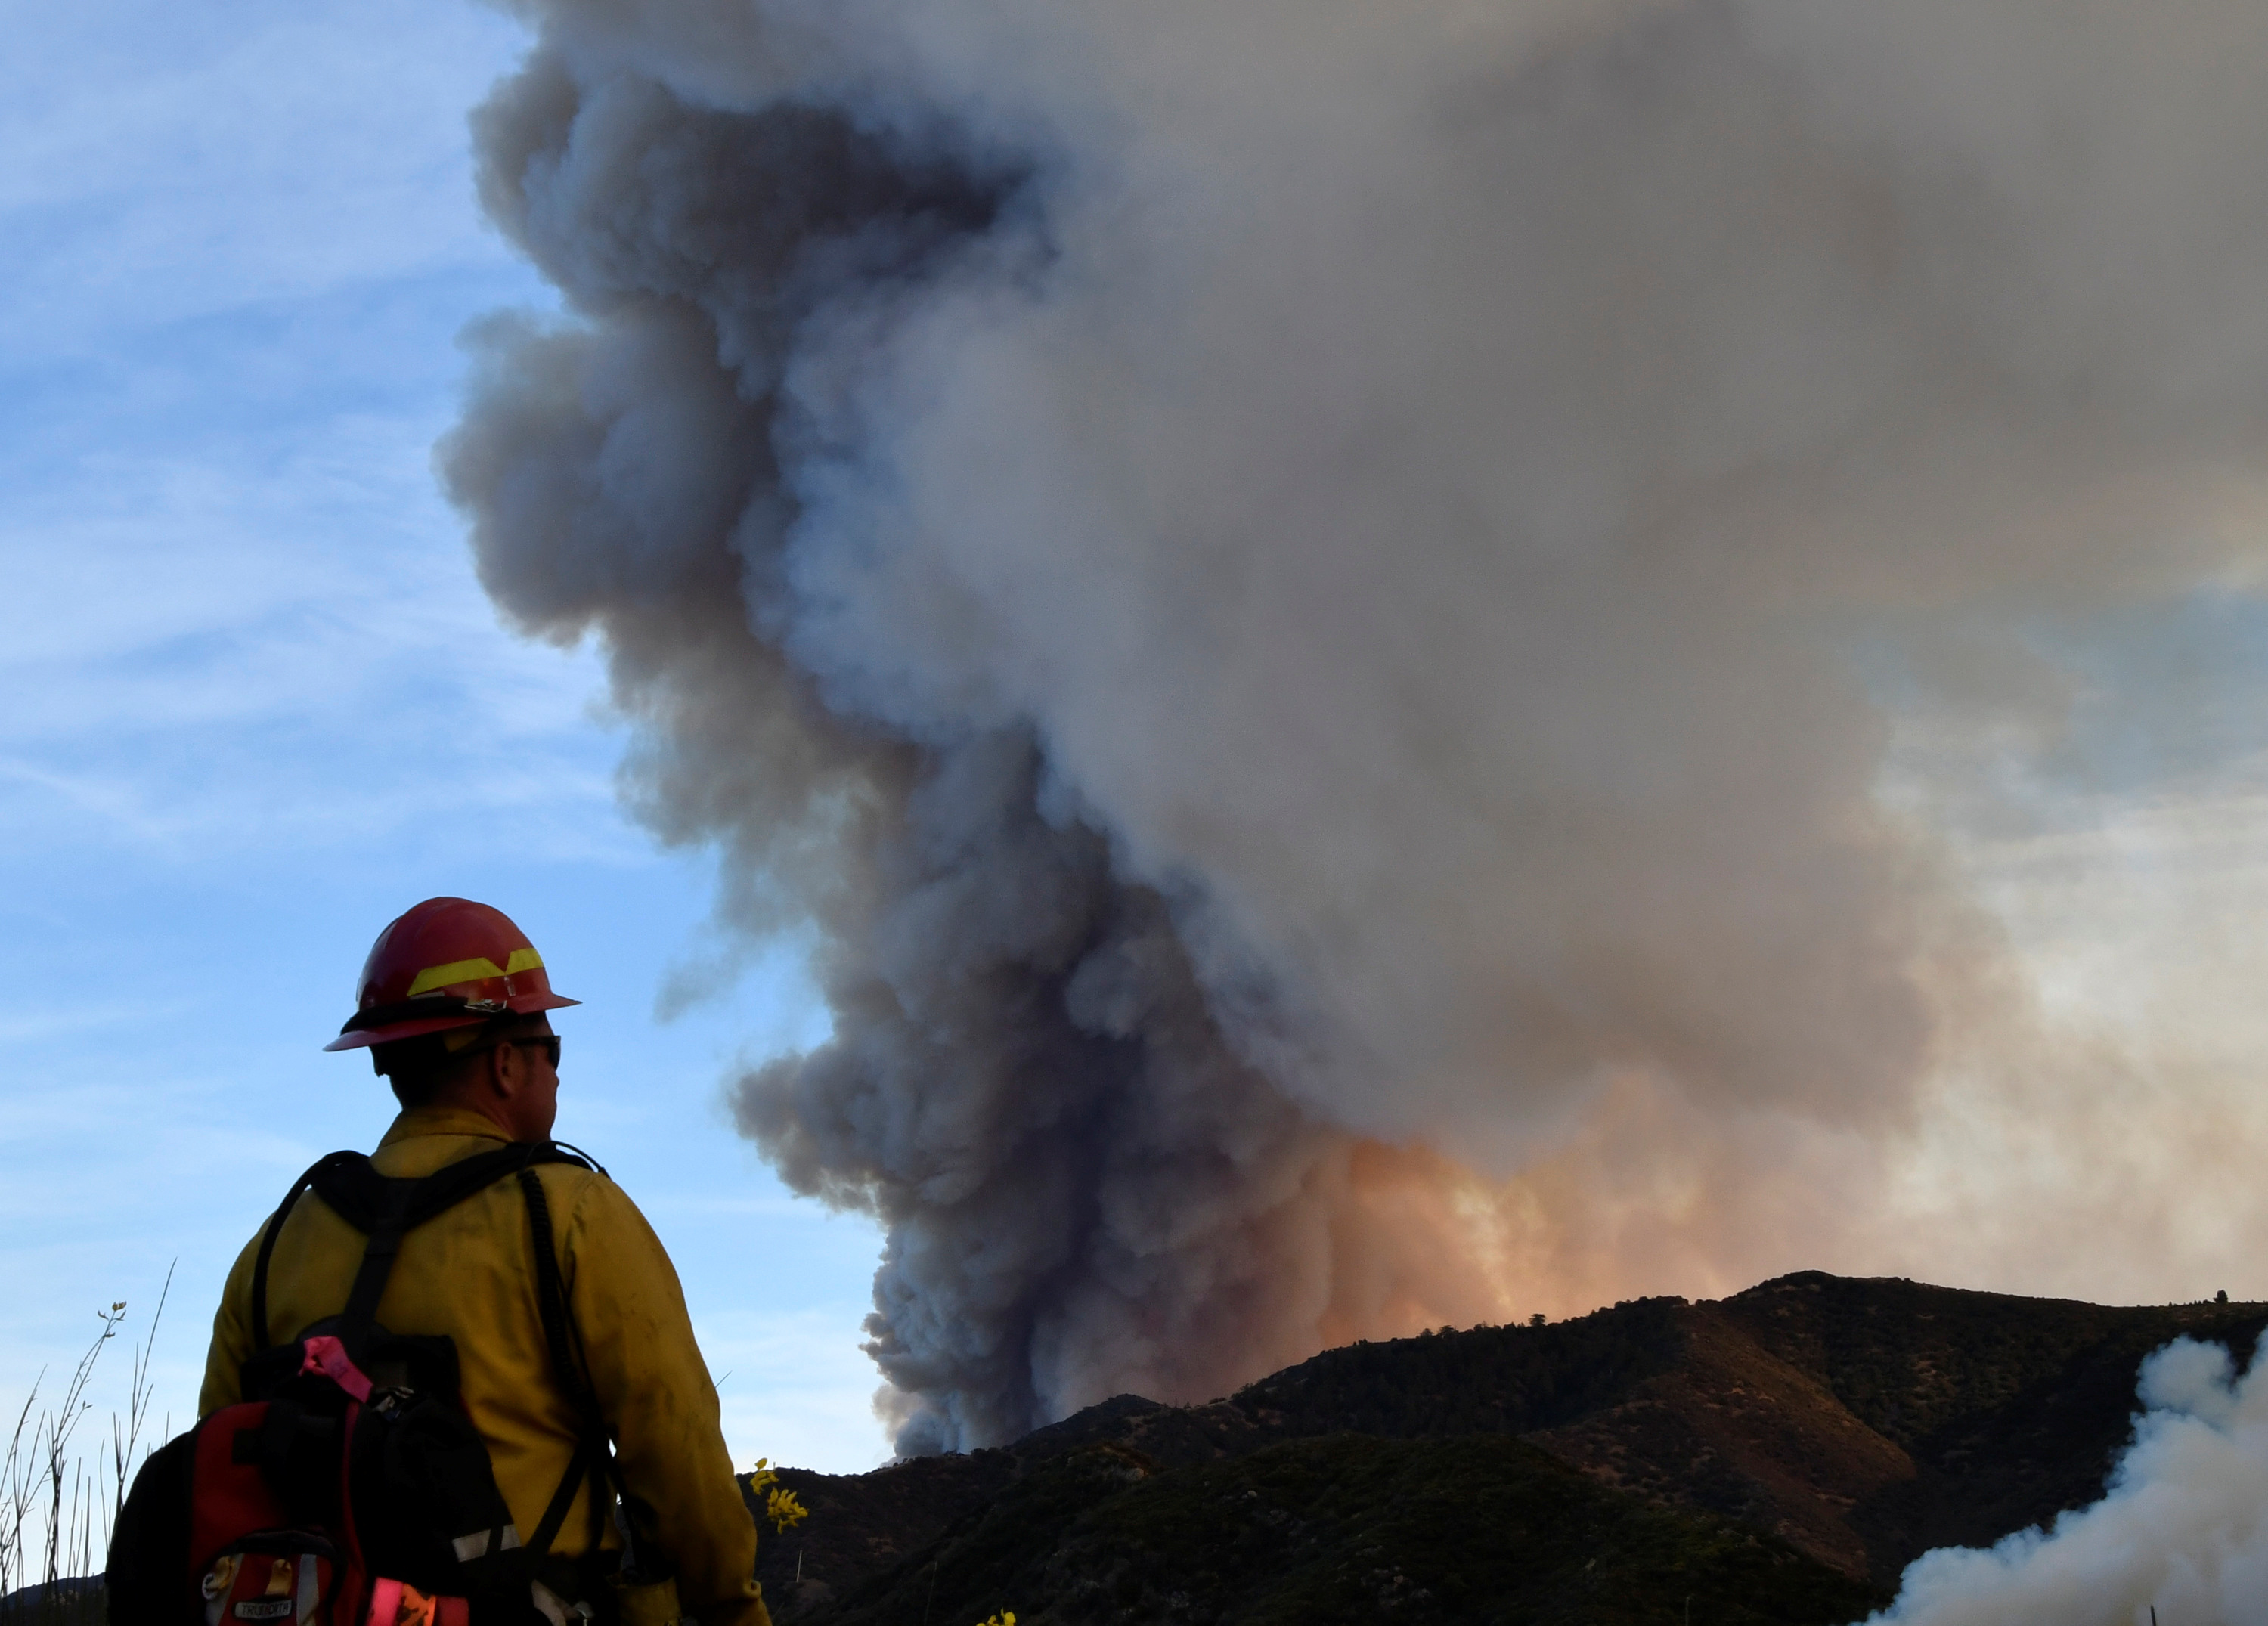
(1285, 584)
(2183, 1528)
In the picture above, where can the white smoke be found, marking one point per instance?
(1280, 582)
(2183, 1528)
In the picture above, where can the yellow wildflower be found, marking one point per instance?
(784, 1510)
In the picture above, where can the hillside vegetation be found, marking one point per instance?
(1779, 1455)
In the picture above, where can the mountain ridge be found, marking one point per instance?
(1851, 1423)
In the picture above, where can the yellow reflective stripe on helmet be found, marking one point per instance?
(472, 971)
(455, 971)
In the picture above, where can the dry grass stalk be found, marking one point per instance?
(58, 1507)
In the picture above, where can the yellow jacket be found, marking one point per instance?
(468, 1274)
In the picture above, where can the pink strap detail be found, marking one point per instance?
(385, 1600)
(327, 1356)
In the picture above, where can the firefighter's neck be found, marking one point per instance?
(514, 1087)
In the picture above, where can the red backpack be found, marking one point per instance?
(349, 1488)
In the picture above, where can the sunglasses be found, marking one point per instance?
(549, 1043)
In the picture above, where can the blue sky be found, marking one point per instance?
(256, 703)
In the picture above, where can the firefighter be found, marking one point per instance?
(452, 1008)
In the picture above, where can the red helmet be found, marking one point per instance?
(447, 963)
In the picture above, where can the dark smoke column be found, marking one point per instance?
(1296, 586)
(1085, 1190)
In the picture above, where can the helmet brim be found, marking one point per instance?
(526, 1004)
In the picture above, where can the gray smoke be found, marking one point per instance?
(1279, 581)
(2180, 1526)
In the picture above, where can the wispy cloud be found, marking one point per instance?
(167, 163)
(252, 700)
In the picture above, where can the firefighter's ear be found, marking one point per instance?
(515, 1072)
(499, 1070)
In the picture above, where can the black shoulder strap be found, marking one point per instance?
(385, 1208)
(386, 1232)
(352, 1184)
(268, 1243)
(594, 1454)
